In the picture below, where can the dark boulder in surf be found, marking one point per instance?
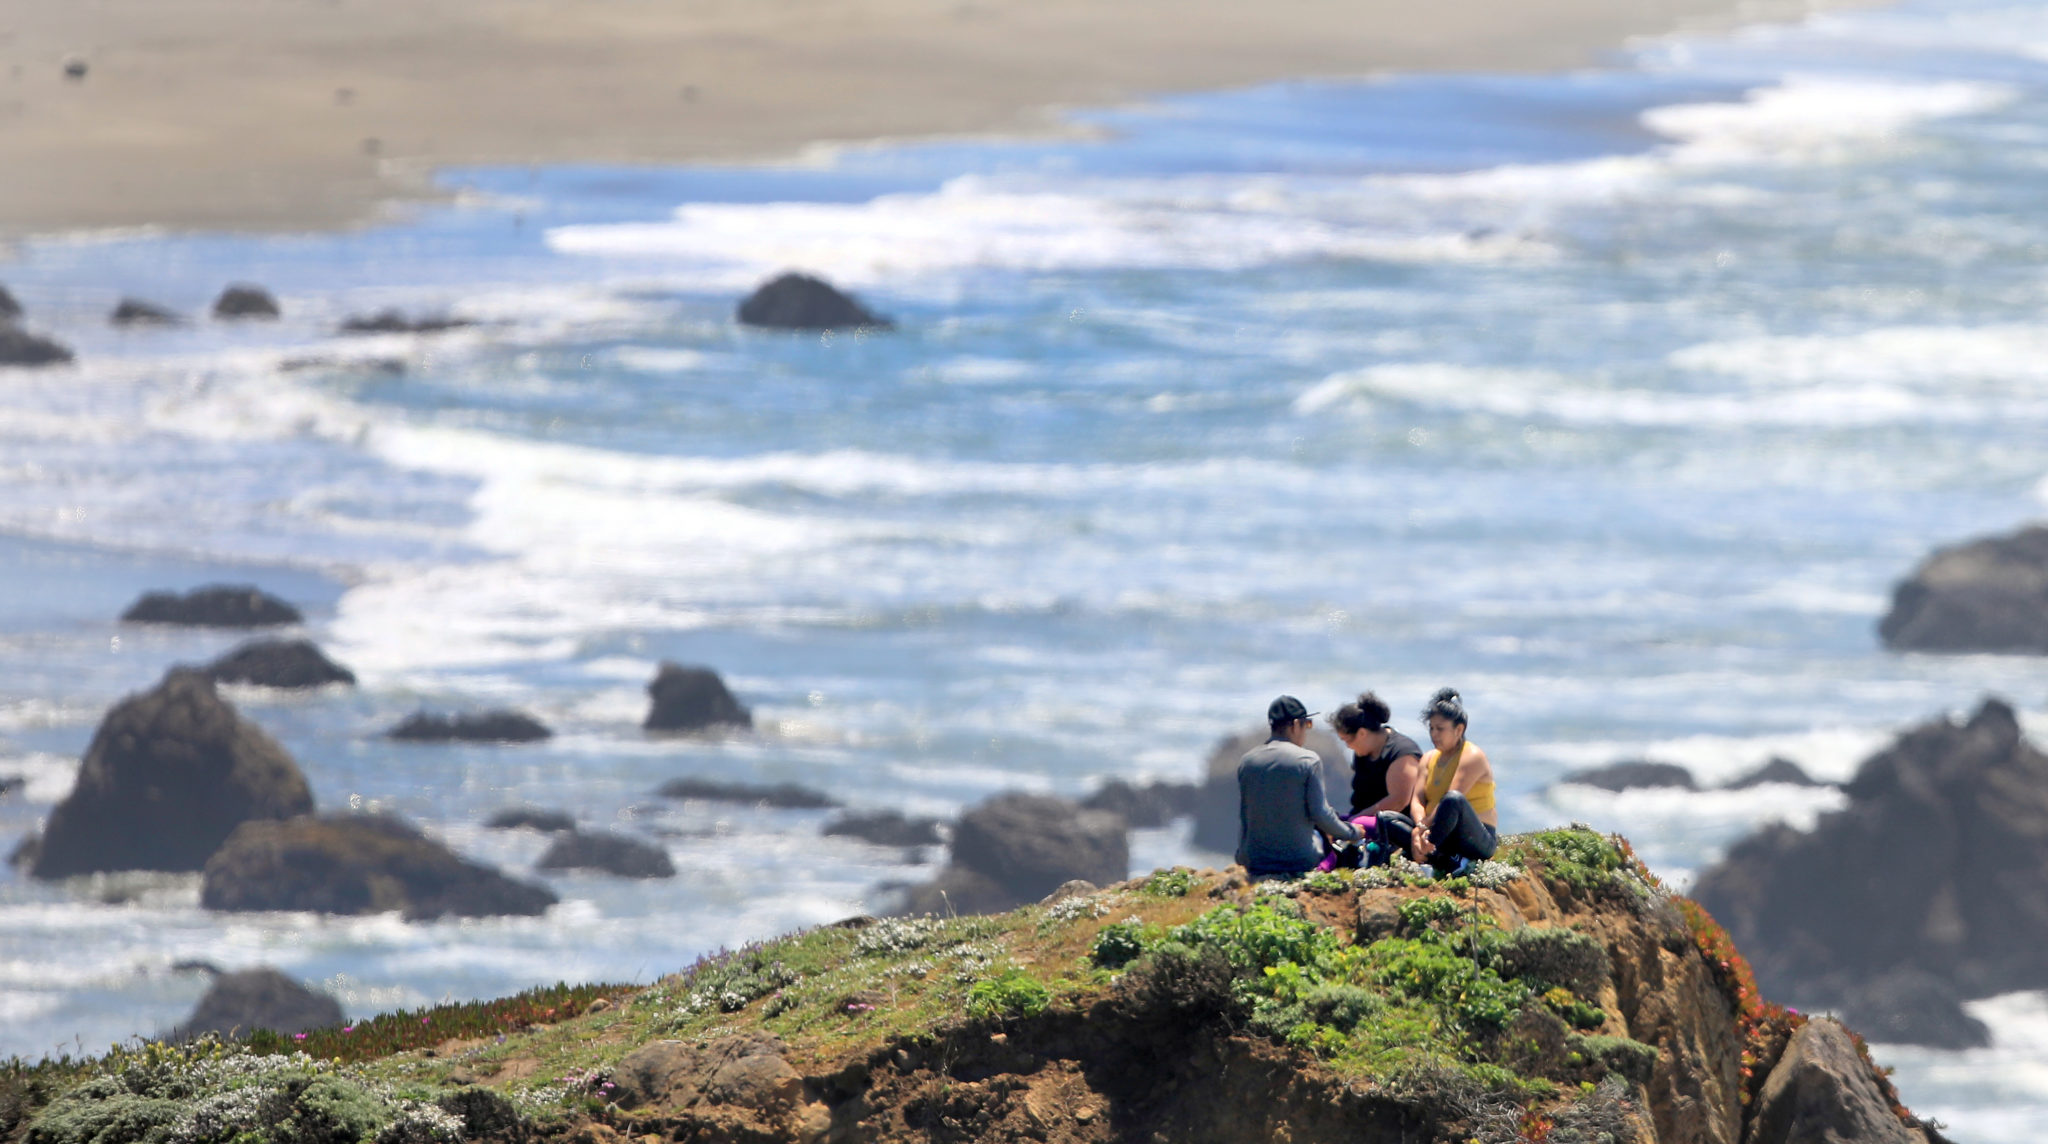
(1937, 867)
(886, 828)
(1633, 774)
(609, 853)
(291, 665)
(1216, 805)
(170, 774)
(135, 312)
(242, 301)
(1986, 595)
(239, 1003)
(782, 796)
(19, 347)
(1781, 771)
(395, 322)
(692, 699)
(1017, 848)
(801, 302)
(214, 606)
(357, 864)
(1157, 803)
(531, 818)
(478, 727)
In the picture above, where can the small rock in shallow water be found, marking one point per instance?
(801, 302)
(610, 853)
(395, 322)
(692, 699)
(243, 301)
(785, 796)
(531, 818)
(485, 727)
(886, 828)
(292, 665)
(1633, 774)
(135, 312)
(358, 864)
(1784, 772)
(19, 347)
(214, 606)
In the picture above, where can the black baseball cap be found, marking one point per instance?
(1287, 709)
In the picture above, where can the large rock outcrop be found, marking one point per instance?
(213, 606)
(1216, 805)
(692, 699)
(289, 665)
(169, 775)
(1017, 848)
(19, 347)
(357, 864)
(1932, 875)
(9, 308)
(239, 1003)
(1986, 595)
(1823, 1092)
(801, 302)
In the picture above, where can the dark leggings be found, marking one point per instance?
(1455, 832)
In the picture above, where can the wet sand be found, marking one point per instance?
(296, 114)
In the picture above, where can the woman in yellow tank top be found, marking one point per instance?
(1460, 822)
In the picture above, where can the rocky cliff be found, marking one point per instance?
(1558, 994)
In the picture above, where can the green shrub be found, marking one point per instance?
(1633, 1061)
(1260, 937)
(1427, 913)
(1432, 970)
(1119, 944)
(1173, 883)
(1176, 983)
(1326, 882)
(1011, 993)
(1552, 958)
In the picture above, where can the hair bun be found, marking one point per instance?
(1445, 693)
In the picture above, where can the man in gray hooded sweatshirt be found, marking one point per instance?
(1281, 805)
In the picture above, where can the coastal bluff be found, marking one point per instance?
(1558, 993)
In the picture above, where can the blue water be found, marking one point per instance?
(1617, 399)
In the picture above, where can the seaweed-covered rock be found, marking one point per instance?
(291, 665)
(610, 853)
(242, 301)
(886, 828)
(481, 727)
(1987, 595)
(692, 699)
(1155, 804)
(242, 1002)
(531, 818)
(1936, 866)
(135, 312)
(357, 864)
(19, 347)
(213, 606)
(395, 322)
(1633, 774)
(169, 775)
(801, 302)
(782, 796)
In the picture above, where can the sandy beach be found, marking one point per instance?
(289, 114)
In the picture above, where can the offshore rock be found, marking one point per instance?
(1157, 803)
(886, 828)
(781, 796)
(19, 347)
(609, 853)
(1017, 848)
(9, 308)
(240, 1003)
(1935, 867)
(483, 727)
(357, 864)
(1987, 595)
(395, 322)
(290, 665)
(135, 312)
(242, 301)
(1783, 772)
(801, 302)
(1632, 774)
(692, 699)
(531, 818)
(214, 606)
(170, 774)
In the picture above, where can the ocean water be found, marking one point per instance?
(1617, 399)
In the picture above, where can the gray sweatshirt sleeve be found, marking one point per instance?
(1319, 810)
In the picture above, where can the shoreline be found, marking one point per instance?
(295, 115)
